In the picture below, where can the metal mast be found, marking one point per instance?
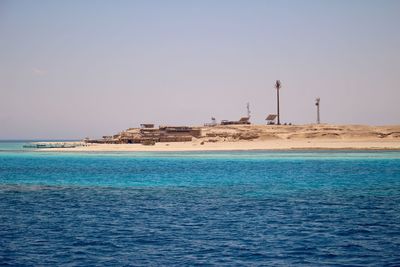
(248, 109)
(278, 86)
(317, 100)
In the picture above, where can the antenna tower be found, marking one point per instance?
(248, 110)
(317, 100)
(278, 86)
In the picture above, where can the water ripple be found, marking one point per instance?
(132, 211)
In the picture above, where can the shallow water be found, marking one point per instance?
(217, 208)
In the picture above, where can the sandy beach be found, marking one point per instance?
(268, 137)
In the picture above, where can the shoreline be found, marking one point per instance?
(284, 145)
(348, 149)
(259, 138)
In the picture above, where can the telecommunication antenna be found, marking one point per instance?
(317, 100)
(278, 86)
(248, 110)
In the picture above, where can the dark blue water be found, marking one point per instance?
(237, 208)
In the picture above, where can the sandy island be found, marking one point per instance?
(267, 137)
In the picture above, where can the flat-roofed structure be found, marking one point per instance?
(242, 120)
(147, 134)
(147, 125)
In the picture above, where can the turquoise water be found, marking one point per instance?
(18, 145)
(9, 146)
(220, 208)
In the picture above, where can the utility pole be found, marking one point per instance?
(317, 100)
(278, 86)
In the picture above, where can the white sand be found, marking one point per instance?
(224, 138)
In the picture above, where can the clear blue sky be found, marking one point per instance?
(70, 69)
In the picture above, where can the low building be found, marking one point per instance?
(147, 134)
(243, 120)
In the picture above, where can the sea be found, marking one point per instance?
(253, 208)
